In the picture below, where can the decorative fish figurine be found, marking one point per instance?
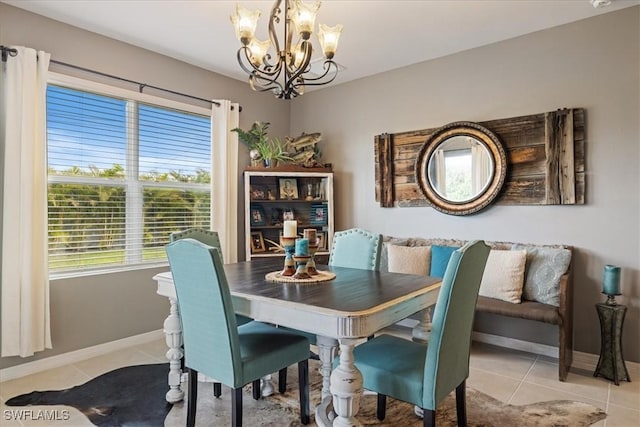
(304, 140)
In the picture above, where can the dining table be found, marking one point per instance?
(343, 311)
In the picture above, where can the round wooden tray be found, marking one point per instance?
(322, 276)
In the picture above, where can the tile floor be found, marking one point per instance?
(511, 376)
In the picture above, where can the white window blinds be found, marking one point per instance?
(123, 175)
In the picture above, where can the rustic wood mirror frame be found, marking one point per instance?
(496, 180)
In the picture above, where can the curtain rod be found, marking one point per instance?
(7, 51)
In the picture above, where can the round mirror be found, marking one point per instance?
(461, 168)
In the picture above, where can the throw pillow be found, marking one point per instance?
(545, 266)
(503, 276)
(384, 253)
(440, 258)
(409, 259)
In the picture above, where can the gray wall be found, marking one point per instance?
(97, 309)
(591, 64)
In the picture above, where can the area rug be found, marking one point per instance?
(130, 396)
(135, 396)
(482, 410)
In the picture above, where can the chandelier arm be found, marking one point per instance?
(267, 70)
(296, 72)
(274, 19)
(272, 85)
(315, 81)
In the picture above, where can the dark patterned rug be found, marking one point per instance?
(135, 396)
(131, 396)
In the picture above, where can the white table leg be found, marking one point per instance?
(346, 387)
(266, 386)
(173, 336)
(422, 330)
(327, 348)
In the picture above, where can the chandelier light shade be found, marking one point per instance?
(285, 70)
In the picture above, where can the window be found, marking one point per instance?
(124, 172)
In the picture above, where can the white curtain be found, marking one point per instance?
(25, 276)
(224, 191)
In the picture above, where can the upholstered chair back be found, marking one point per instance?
(208, 237)
(356, 248)
(447, 360)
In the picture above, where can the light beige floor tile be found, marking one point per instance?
(54, 379)
(626, 394)
(156, 349)
(618, 416)
(502, 361)
(546, 374)
(532, 393)
(497, 386)
(118, 359)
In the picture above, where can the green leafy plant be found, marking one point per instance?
(269, 150)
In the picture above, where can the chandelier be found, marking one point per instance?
(288, 71)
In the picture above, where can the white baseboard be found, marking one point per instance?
(516, 344)
(52, 362)
(581, 360)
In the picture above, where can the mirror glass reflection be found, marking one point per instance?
(460, 168)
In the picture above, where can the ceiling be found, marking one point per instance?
(378, 35)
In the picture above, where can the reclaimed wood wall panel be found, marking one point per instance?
(545, 155)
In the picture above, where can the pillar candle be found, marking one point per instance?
(290, 229)
(611, 280)
(310, 233)
(302, 247)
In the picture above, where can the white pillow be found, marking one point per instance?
(409, 259)
(503, 276)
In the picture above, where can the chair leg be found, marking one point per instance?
(192, 400)
(282, 380)
(303, 388)
(381, 411)
(428, 417)
(217, 389)
(461, 405)
(255, 386)
(236, 407)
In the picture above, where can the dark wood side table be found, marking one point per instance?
(611, 363)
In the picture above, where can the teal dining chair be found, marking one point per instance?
(424, 374)
(214, 344)
(210, 238)
(356, 248)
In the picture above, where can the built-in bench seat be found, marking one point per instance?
(559, 293)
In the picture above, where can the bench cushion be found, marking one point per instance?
(529, 310)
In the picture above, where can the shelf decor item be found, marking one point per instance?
(288, 188)
(611, 283)
(257, 242)
(257, 216)
(318, 215)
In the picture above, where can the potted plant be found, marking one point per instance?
(262, 149)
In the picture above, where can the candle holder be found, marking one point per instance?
(311, 264)
(301, 270)
(289, 245)
(611, 299)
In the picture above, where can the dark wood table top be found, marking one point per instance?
(352, 290)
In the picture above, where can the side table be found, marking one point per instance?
(611, 363)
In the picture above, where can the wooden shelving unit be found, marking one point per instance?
(272, 195)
